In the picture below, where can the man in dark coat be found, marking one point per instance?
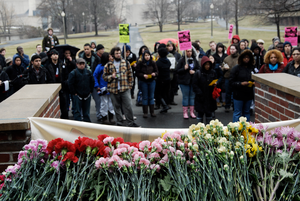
(131, 58)
(4, 85)
(2, 58)
(15, 72)
(50, 40)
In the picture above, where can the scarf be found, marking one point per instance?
(148, 62)
(273, 68)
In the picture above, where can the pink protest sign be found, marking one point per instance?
(184, 40)
(291, 35)
(230, 31)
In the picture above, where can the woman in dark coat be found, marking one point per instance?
(146, 71)
(14, 71)
(204, 102)
(273, 62)
(3, 85)
(186, 68)
(293, 67)
(242, 85)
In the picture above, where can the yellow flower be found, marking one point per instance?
(162, 135)
(251, 149)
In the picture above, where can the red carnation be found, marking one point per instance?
(52, 143)
(65, 144)
(70, 156)
(102, 137)
(118, 139)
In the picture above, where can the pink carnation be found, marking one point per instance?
(101, 161)
(154, 155)
(108, 139)
(55, 164)
(155, 166)
(159, 141)
(124, 146)
(176, 136)
(164, 160)
(178, 152)
(113, 159)
(144, 144)
(166, 135)
(13, 169)
(144, 161)
(132, 148)
(119, 151)
(172, 149)
(157, 146)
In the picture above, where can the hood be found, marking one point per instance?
(254, 46)
(243, 54)
(93, 41)
(194, 54)
(155, 50)
(275, 39)
(127, 48)
(220, 45)
(140, 50)
(235, 37)
(204, 60)
(16, 58)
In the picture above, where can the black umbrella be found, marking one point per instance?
(62, 48)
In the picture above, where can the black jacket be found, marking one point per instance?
(3, 93)
(184, 76)
(219, 60)
(142, 69)
(13, 72)
(81, 82)
(204, 101)
(259, 60)
(2, 61)
(238, 75)
(42, 77)
(163, 67)
(47, 42)
(290, 69)
(59, 73)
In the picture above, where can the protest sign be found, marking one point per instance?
(230, 31)
(184, 38)
(291, 35)
(124, 33)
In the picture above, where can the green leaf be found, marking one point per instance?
(284, 173)
(166, 183)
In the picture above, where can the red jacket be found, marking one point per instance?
(265, 69)
(234, 37)
(286, 60)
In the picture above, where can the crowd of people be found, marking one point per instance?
(219, 77)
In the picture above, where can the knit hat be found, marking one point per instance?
(99, 47)
(53, 51)
(287, 43)
(127, 48)
(34, 57)
(163, 52)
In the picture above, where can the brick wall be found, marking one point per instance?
(52, 110)
(274, 105)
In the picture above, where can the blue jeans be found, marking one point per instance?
(188, 95)
(228, 94)
(241, 108)
(147, 89)
(84, 106)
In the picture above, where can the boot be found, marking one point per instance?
(105, 120)
(145, 111)
(192, 112)
(151, 107)
(111, 118)
(208, 119)
(165, 106)
(185, 112)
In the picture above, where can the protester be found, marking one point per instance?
(119, 76)
(235, 40)
(273, 62)
(8, 62)
(220, 55)
(293, 66)
(200, 52)
(275, 41)
(172, 50)
(50, 40)
(212, 49)
(90, 57)
(24, 57)
(93, 45)
(258, 59)
(261, 43)
(141, 52)
(35, 73)
(163, 79)
(229, 62)
(2, 57)
(287, 53)
(131, 58)
(81, 85)
(279, 46)
(106, 108)
(204, 102)
(246, 43)
(219, 76)
(100, 50)
(242, 85)
(4, 85)
(186, 69)
(14, 73)
(146, 71)
(38, 50)
(242, 46)
(156, 47)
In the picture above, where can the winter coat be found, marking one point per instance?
(95, 60)
(259, 60)
(13, 72)
(209, 52)
(231, 61)
(285, 59)
(2, 61)
(204, 101)
(81, 82)
(265, 69)
(184, 76)
(3, 93)
(58, 73)
(99, 81)
(25, 60)
(42, 77)
(239, 74)
(47, 42)
(143, 68)
(290, 69)
(234, 37)
(163, 67)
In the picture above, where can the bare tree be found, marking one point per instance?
(204, 9)
(240, 9)
(6, 15)
(181, 6)
(272, 11)
(158, 11)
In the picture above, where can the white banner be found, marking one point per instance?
(50, 128)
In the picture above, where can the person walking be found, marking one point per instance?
(50, 40)
(186, 69)
(118, 75)
(293, 66)
(146, 71)
(24, 57)
(204, 101)
(242, 85)
(287, 53)
(229, 62)
(273, 62)
(106, 108)
(81, 85)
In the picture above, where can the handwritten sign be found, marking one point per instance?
(230, 31)
(184, 38)
(124, 33)
(291, 35)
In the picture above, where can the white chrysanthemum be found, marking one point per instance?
(238, 145)
(196, 147)
(243, 119)
(201, 125)
(222, 139)
(222, 149)
(207, 136)
(231, 153)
